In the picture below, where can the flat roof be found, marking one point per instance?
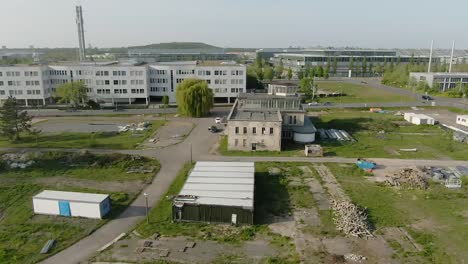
(71, 196)
(256, 115)
(220, 183)
(422, 116)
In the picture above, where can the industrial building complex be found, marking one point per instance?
(119, 82)
(217, 192)
(441, 80)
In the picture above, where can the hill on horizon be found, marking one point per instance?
(176, 45)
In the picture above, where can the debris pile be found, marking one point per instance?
(142, 126)
(451, 177)
(350, 219)
(20, 160)
(354, 257)
(412, 178)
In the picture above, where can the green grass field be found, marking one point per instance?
(23, 234)
(432, 142)
(436, 218)
(125, 140)
(356, 93)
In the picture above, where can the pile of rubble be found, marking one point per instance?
(350, 219)
(412, 178)
(142, 126)
(20, 160)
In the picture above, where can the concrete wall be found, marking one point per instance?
(267, 141)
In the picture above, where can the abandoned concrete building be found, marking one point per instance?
(260, 122)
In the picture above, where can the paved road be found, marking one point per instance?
(172, 159)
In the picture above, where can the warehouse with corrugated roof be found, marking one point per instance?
(217, 192)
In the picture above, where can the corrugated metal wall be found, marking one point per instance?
(212, 214)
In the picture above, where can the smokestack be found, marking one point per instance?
(451, 56)
(430, 57)
(81, 38)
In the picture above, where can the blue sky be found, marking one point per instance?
(237, 23)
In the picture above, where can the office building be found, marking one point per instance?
(119, 82)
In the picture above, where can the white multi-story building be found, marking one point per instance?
(227, 79)
(114, 82)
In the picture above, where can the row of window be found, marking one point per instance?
(119, 91)
(254, 130)
(160, 89)
(185, 72)
(161, 72)
(20, 92)
(158, 80)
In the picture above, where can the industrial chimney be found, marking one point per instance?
(81, 38)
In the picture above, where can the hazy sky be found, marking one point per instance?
(237, 23)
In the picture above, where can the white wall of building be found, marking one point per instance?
(77, 209)
(462, 120)
(120, 82)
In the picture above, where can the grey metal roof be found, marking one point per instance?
(220, 183)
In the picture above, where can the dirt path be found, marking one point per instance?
(330, 182)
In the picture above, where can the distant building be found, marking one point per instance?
(217, 192)
(260, 122)
(119, 82)
(441, 80)
(151, 55)
(419, 119)
(283, 88)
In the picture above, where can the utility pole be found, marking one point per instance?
(451, 57)
(430, 57)
(146, 201)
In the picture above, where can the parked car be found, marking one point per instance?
(427, 97)
(213, 129)
(313, 103)
(327, 103)
(218, 120)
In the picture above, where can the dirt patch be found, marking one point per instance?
(283, 225)
(172, 133)
(131, 250)
(403, 238)
(60, 182)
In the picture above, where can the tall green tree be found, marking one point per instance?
(279, 69)
(326, 73)
(194, 98)
(290, 74)
(334, 65)
(328, 66)
(301, 74)
(364, 65)
(13, 121)
(259, 72)
(268, 73)
(73, 93)
(306, 86)
(319, 72)
(165, 100)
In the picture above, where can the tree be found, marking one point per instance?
(13, 121)
(252, 80)
(259, 73)
(72, 93)
(326, 73)
(290, 74)
(364, 65)
(300, 74)
(328, 66)
(335, 65)
(306, 86)
(319, 72)
(268, 73)
(165, 100)
(313, 72)
(194, 98)
(279, 69)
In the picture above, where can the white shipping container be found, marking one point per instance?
(462, 120)
(74, 204)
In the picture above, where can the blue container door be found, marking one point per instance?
(64, 207)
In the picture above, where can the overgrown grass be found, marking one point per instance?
(110, 140)
(431, 141)
(436, 218)
(356, 93)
